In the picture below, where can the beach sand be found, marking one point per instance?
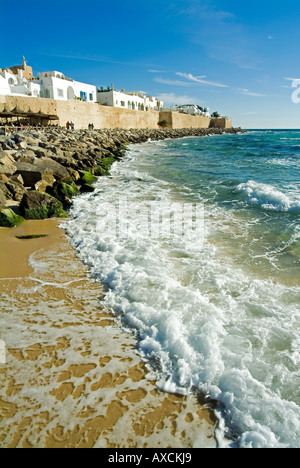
(72, 377)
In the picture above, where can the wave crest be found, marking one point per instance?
(269, 197)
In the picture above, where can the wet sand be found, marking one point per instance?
(72, 377)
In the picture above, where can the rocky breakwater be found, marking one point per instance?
(41, 170)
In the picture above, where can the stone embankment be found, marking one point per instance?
(42, 169)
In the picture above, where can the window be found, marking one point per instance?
(117, 102)
(123, 103)
(91, 97)
(60, 93)
(83, 95)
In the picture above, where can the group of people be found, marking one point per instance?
(70, 125)
(20, 124)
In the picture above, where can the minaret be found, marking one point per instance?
(24, 62)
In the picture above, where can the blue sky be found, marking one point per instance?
(236, 57)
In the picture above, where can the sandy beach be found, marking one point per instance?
(72, 377)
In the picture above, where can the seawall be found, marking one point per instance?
(102, 117)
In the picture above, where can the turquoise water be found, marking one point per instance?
(216, 311)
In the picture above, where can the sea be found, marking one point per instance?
(197, 243)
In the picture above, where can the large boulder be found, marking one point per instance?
(36, 205)
(35, 176)
(63, 191)
(7, 164)
(5, 190)
(8, 218)
(59, 171)
(16, 189)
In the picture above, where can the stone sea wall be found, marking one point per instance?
(41, 170)
(178, 120)
(83, 113)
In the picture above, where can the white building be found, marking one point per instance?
(52, 85)
(11, 84)
(55, 85)
(18, 80)
(136, 100)
(192, 109)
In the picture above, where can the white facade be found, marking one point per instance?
(55, 85)
(192, 109)
(15, 84)
(136, 100)
(52, 85)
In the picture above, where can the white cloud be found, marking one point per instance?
(157, 71)
(173, 99)
(171, 82)
(246, 92)
(200, 79)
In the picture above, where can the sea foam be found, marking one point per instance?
(269, 197)
(201, 322)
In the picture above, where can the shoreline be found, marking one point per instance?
(155, 418)
(72, 377)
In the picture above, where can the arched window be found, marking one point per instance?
(70, 93)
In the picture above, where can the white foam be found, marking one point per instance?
(200, 321)
(269, 197)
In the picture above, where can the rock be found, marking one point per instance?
(46, 181)
(63, 191)
(27, 156)
(17, 178)
(36, 205)
(86, 177)
(3, 178)
(5, 190)
(34, 173)
(73, 174)
(22, 145)
(8, 218)
(7, 165)
(99, 171)
(16, 189)
(2, 199)
(87, 188)
(59, 171)
(38, 151)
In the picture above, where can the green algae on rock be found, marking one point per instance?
(37, 205)
(8, 218)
